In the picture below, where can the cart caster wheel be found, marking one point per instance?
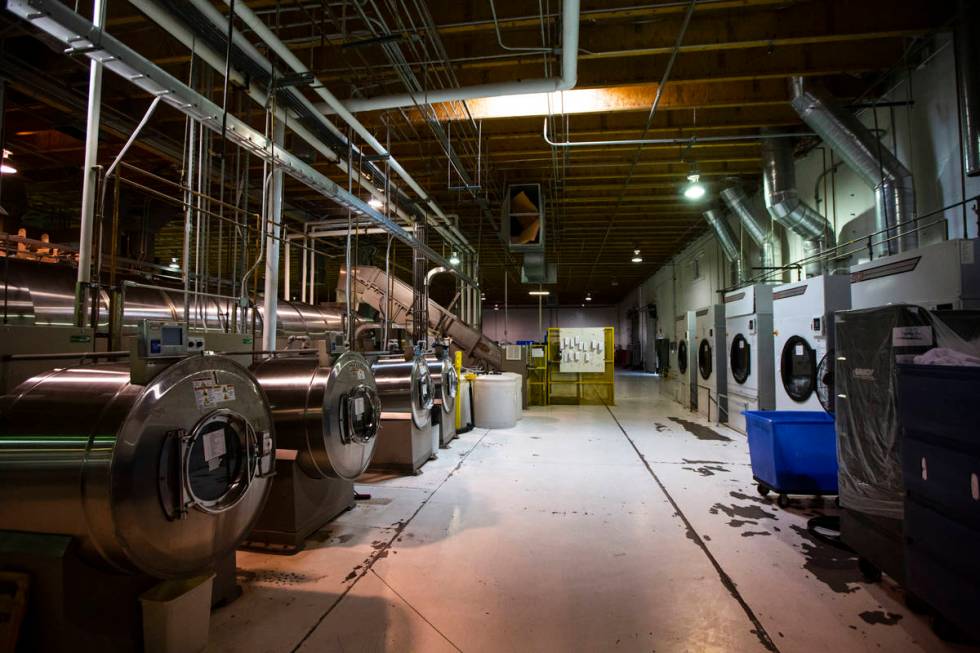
(782, 501)
(915, 604)
(763, 490)
(871, 573)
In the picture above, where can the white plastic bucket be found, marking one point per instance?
(518, 392)
(177, 615)
(465, 409)
(493, 402)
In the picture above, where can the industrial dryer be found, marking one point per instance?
(681, 361)
(749, 340)
(710, 354)
(445, 381)
(942, 276)
(327, 415)
(407, 395)
(803, 324)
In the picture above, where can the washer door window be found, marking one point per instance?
(704, 359)
(798, 368)
(740, 359)
(682, 357)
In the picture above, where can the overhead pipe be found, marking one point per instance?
(270, 39)
(682, 140)
(869, 158)
(564, 82)
(754, 225)
(968, 83)
(273, 234)
(726, 240)
(785, 206)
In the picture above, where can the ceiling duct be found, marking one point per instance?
(536, 270)
(726, 239)
(784, 203)
(968, 83)
(869, 158)
(754, 222)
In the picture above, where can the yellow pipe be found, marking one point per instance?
(459, 398)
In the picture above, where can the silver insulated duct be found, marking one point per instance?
(869, 158)
(968, 83)
(726, 239)
(740, 205)
(784, 203)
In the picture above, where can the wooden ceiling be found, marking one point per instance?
(729, 78)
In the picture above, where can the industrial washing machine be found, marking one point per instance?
(407, 394)
(943, 276)
(749, 343)
(114, 476)
(681, 361)
(327, 415)
(446, 384)
(803, 324)
(710, 354)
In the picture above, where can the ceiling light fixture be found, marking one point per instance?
(636, 256)
(539, 293)
(694, 189)
(454, 259)
(588, 297)
(7, 170)
(375, 203)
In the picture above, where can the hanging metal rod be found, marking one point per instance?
(80, 35)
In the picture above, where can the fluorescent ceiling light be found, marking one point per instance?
(375, 203)
(579, 100)
(7, 170)
(454, 259)
(539, 293)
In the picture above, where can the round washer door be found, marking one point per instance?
(740, 359)
(704, 359)
(682, 357)
(798, 369)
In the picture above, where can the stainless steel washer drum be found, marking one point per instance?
(161, 479)
(446, 383)
(329, 415)
(406, 389)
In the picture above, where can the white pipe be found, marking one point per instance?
(90, 178)
(566, 81)
(270, 39)
(273, 235)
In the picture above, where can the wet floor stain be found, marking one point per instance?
(700, 431)
(661, 427)
(755, 533)
(834, 567)
(704, 462)
(744, 512)
(747, 497)
(874, 617)
(706, 470)
(329, 538)
(275, 577)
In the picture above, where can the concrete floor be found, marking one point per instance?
(582, 529)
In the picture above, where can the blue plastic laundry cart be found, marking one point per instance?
(792, 452)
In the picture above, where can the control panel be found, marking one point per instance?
(167, 339)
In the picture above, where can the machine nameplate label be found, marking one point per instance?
(912, 336)
(208, 394)
(214, 448)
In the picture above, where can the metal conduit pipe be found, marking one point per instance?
(566, 81)
(726, 239)
(785, 206)
(290, 59)
(869, 158)
(968, 83)
(740, 205)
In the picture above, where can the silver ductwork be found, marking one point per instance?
(869, 158)
(968, 83)
(726, 239)
(754, 224)
(784, 204)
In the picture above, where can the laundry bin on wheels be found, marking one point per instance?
(792, 452)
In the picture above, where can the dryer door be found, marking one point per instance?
(682, 357)
(704, 359)
(798, 368)
(740, 359)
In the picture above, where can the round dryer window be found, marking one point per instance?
(798, 368)
(704, 359)
(740, 358)
(682, 357)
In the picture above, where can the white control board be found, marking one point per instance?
(582, 349)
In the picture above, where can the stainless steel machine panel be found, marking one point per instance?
(162, 479)
(445, 383)
(328, 415)
(749, 347)
(711, 361)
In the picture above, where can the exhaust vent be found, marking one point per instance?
(755, 225)
(726, 239)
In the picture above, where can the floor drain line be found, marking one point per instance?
(726, 580)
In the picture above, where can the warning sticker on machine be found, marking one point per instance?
(207, 393)
(912, 336)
